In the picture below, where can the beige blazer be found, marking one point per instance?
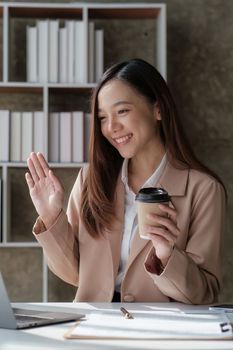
(192, 274)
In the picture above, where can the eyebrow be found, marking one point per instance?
(119, 103)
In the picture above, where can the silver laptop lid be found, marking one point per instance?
(7, 318)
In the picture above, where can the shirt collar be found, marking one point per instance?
(124, 171)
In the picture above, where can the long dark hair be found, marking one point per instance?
(97, 202)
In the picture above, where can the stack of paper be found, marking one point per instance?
(153, 326)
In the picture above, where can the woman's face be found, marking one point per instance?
(128, 120)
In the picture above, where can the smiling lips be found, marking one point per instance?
(123, 139)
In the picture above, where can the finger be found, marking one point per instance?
(168, 223)
(29, 181)
(160, 231)
(43, 163)
(158, 239)
(55, 181)
(32, 170)
(170, 211)
(37, 166)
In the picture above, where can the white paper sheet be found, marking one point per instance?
(153, 326)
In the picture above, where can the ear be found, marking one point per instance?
(157, 112)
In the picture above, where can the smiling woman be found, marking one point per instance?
(136, 142)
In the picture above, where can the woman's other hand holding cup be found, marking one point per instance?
(163, 232)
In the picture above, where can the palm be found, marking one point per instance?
(46, 197)
(46, 191)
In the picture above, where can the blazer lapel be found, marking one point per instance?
(174, 181)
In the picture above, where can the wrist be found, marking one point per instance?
(164, 261)
(49, 221)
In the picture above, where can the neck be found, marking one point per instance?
(146, 164)
(140, 169)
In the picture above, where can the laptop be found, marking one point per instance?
(13, 318)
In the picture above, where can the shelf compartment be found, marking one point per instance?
(58, 290)
(22, 209)
(17, 53)
(121, 47)
(69, 99)
(16, 87)
(19, 19)
(21, 98)
(22, 273)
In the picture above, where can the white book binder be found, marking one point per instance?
(99, 53)
(43, 35)
(32, 55)
(4, 135)
(80, 63)
(15, 136)
(54, 137)
(65, 137)
(63, 45)
(53, 51)
(27, 135)
(91, 52)
(70, 51)
(38, 131)
(78, 136)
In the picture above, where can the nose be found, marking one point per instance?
(113, 125)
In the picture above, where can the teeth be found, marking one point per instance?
(123, 139)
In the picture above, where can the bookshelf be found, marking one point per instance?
(130, 30)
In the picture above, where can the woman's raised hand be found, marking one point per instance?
(45, 189)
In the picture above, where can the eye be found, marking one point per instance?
(101, 118)
(123, 111)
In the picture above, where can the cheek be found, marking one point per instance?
(104, 131)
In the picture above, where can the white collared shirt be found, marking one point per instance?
(130, 217)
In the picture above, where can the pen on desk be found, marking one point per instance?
(126, 313)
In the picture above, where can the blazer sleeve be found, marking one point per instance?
(60, 241)
(193, 275)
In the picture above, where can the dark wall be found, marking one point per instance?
(200, 73)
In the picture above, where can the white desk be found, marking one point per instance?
(51, 337)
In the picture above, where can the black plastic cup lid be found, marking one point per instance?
(152, 195)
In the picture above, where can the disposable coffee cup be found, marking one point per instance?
(148, 200)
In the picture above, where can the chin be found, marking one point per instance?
(127, 155)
